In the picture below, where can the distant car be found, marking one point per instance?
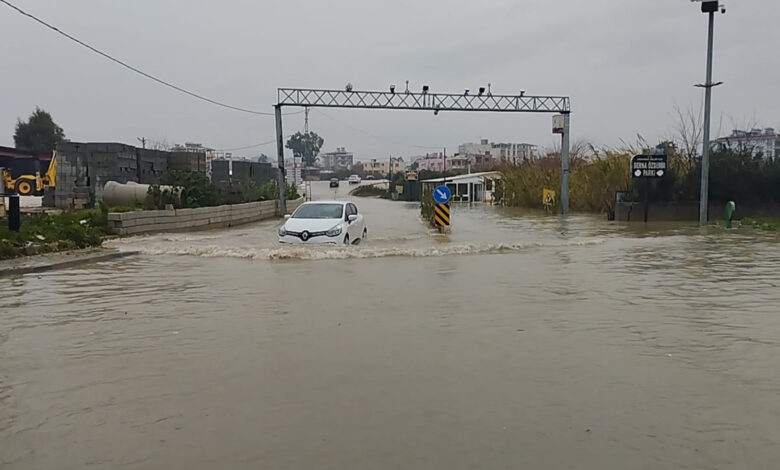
(334, 182)
(370, 177)
(324, 222)
(354, 179)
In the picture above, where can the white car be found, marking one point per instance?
(320, 222)
(354, 179)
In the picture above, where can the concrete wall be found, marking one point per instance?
(132, 223)
(187, 161)
(259, 173)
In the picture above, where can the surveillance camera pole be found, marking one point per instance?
(705, 159)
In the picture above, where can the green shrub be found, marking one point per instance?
(55, 232)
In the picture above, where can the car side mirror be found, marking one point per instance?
(352, 218)
(287, 216)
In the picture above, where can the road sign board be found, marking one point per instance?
(442, 215)
(648, 166)
(442, 194)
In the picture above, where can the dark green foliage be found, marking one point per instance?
(39, 134)
(55, 232)
(427, 205)
(195, 190)
(306, 146)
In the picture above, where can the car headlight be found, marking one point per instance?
(282, 232)
(334, 232)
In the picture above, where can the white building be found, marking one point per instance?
(472, 187)
(335, 161)
(492, 152)
(764, 142)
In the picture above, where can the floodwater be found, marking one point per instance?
(518, 341)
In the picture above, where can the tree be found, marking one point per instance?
(306, 146)
(688, 132)
(40, 134)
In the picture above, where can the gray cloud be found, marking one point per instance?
(623, 63)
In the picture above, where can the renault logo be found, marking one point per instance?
(304, 235)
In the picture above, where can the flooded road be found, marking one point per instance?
(518, 341)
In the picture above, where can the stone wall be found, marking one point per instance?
(179, 220)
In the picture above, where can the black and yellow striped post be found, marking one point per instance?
(442, 215)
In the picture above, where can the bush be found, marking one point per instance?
(737, 176)
(427, 206)
(198, 191)
(57, 232)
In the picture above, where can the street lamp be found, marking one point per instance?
(710, 7)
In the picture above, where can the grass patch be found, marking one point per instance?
(370, 191)
(47, 233)
(769, 224)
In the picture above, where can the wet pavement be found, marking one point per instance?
(520, 340)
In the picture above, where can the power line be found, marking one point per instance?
(261, 144)
(378, 137)
(134, 69)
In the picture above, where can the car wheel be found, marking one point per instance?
(346, 240)
(24, 187)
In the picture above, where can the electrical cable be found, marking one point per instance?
(134, 69)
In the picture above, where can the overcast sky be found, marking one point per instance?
(624, 63)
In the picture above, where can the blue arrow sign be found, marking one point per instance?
(442, 194)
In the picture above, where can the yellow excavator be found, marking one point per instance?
(30, 185)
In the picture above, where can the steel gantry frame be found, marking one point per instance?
(423, 101)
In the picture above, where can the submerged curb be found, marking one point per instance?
(20, 270)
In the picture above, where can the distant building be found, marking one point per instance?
(292, 172)
(382, 166)
(190, 147)
(437, 162)
(335, 161)
(491, 152)
(765, 143)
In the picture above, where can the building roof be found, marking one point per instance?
(466, 177)
(18, 153)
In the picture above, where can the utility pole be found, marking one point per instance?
(709, 7)
(444, 165)
(565, 136)
(280, 161)
(390, 175)
(306, 124)
(143, 141)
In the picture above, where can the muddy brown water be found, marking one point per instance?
(519, 341)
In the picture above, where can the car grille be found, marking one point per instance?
(311, 234)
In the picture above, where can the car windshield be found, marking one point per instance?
(319, 211)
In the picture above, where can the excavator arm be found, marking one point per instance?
(50, 178)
